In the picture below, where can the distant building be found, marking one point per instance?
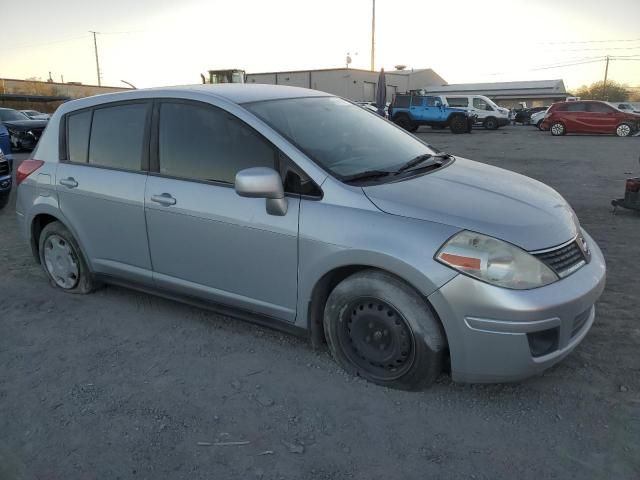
(352, 83)
(535, 93)
(44, 96)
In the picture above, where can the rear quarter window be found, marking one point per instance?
(402, 101)
(78, 128)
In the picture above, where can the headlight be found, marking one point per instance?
(494, 261)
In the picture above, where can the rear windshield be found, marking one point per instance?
(338, 135)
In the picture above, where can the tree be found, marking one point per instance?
(616, 92)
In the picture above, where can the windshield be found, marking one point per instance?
(10, 115)
(341, 137)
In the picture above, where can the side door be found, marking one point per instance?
(416, 110)
(602, 117)
(205, 240)
(100, 184)
(576, 118)
(435, 109)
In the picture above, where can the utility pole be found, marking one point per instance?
(373, 37)
(604, 84)
(95, 48)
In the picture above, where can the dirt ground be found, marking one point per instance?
(120, 384)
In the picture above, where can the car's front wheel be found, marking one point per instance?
(558, 128)
(624, 130)
(490, 123)
(62, 260)
(379, 328)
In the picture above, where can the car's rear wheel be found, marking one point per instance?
(624, 130)
(379, 328)
(458, 124)
(62, 260)
(404, 122)
(490, 123)
(539, 124)
(558, 128)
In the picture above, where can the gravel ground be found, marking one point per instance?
(120, 384)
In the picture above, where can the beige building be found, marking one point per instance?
(352, 83)
(44, 96)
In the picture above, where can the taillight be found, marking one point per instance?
(26, 168)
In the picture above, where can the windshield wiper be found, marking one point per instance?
(414, 162)
(367, 175)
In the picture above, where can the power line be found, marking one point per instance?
(32, 45)
(590, 41)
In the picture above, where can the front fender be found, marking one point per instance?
(334, 236)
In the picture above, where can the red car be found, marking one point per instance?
(590, 116)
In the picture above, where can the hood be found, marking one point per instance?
(25, 124)
(489, 200)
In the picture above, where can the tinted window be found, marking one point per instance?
(78, 126)
(117, 136)
(458, 101)
(576, 107)
(599, 108)
(402, 101)
(206, 143)
(416, 101)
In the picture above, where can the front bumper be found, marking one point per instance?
(490, 329)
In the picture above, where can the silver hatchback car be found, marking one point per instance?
(301, 210)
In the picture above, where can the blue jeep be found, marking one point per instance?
(411, 111)
(6, 166)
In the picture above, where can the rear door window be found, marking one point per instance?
(402, 101)
(458, 101)
(78, 128)
(576, 107)
(599, 108)
(117, 136)
(205, 143)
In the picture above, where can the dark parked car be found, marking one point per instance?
(524, 116)
(589, 116)
(24, 132)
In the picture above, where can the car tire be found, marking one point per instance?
(557, 129)
(458, 124)
(379, 328)
(414, 128)
(62, 260)
(490, 123)
(624, 130)
(539, 125)
(404, 122)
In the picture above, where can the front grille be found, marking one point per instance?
(579, 322)
(4, 166)
(564, 259)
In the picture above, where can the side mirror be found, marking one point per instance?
(263, 182)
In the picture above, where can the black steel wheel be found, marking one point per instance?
(376, 337)
(379, 328)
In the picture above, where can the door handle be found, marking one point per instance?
(164, 199)
(69, 182)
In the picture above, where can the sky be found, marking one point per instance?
(164, 42)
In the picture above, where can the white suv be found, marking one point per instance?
(490, 115)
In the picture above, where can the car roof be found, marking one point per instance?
(231, 92)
